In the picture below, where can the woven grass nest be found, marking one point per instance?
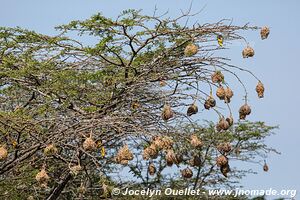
(124, 155)
(3, 153)
(217, 77)
(187, 173)
(150, 152)
(210, 102)
(248, 52)
(42, 177)
(264, 32)
(151, 169)
(222, 124)
(195, 161)
(222, 160)
(89, 144)
(224, 147)
(195, 141)
(190, 50)
(260, 89)
(244, 111)
(167, 113)
(192, 109)
(164, 143)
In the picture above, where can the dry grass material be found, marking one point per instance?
(3, 153)
(224, 147)
(195, 141)
(150, 152)
(171, 158)
(193, 109)
(228, 95)
(190, 50)
(195, 161)
(248, 52)
(222, 160)
(210, 102)
(89, 144)
(163, 143)
(217, 77)
(151, 169)
(187, 173)
(222, 124)
(260, 89)
(264, 32)
(230, 120)
(167, 113)
(50, 150)
(42, 177)
(220, 92)
(124, 155)
(244, 111)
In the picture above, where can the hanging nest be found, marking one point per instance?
(248, 52)
(124, 155)
(217, 77)
(260, 89)
(167, 113)
(190, 50)
(230, 120)
(222, 160)
(224, 147)
(89, 144)
(195, 161)
(220, 93)
(222, 124)
(171, 158)
(193, 109)
(179, 158)
(42, 177)
(266, 167)
(225, 169)
(50, 150)
(264, 32)
(150, 152)
(163, 143)
(74, 170)
(210, 102)
(187, 173)
(244, 111)
(3, 153)
(151, 169)
(228, 95)
(195, 141)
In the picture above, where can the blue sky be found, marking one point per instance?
(275, 62)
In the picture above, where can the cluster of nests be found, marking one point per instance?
(222, 160)
(223, 94)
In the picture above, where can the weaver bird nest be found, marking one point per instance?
(3, 153)
(264, 32)
(42, 177)
(195, 141)
(222, 160)
(217, 77)
(190, 50)
(187, 173)
(151, 169)
(192, 109)
(210, 102)
(150, 152)
(248, 52)
(244, 111)
(89, 144)
(260, 89)
(167, 112)
(224, 147)
(124, 155)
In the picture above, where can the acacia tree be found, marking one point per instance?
(123, 93)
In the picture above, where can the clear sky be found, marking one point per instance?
(275, 62)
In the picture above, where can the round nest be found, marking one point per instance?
(222, 160)
(225, 169)
(230, 120)
(167, 113)
(124, 155)
(244, 111)
(171, 158)
(266, 167)
(89, 144)
(151, 169)
(193, 109)
(220, 93)
(248, 52)
(228, 95)
(264, 32)
(217, 77)
(187, 173)
(222, 124)
(224, 147)
(210, 102)
(260, 89)
(195, 141)
(195, 161)
(150, 152)
(42, 177)
(3, 153)
(190, 50)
